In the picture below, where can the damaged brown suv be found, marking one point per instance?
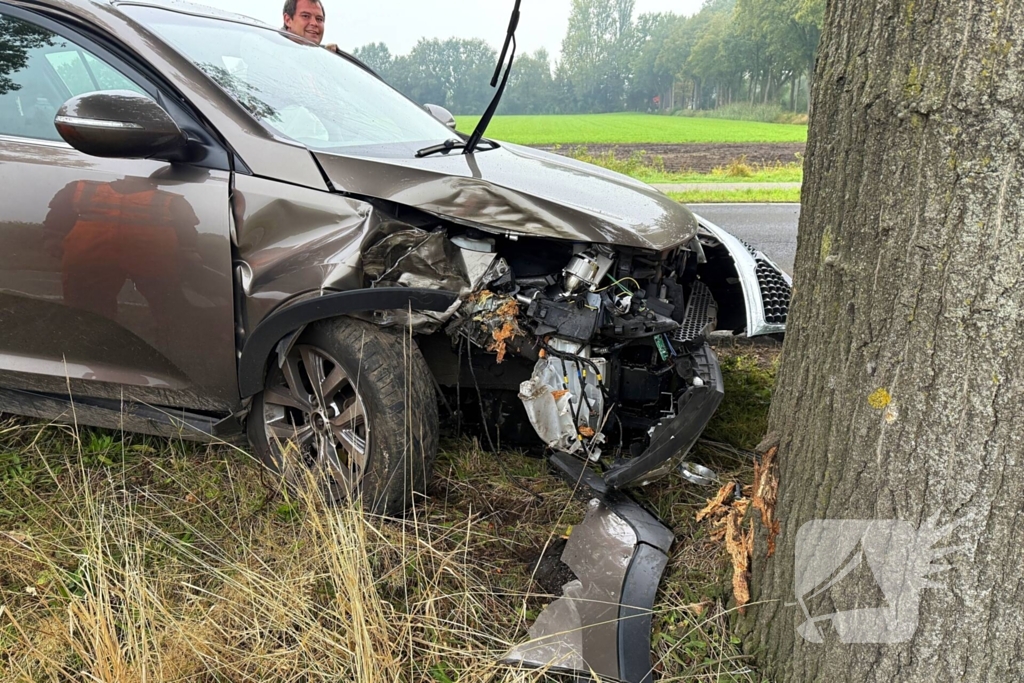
(212, 230)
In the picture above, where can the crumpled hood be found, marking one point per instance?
(521, 191)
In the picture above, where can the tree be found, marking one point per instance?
(651, 77)
(453, 73)
(531, 89)
(377, 56)
(596, 53)
(902, 384)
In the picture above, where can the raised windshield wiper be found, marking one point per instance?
(485, 120)
(447, 146)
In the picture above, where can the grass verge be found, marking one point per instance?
(127, 558)
(627, 128)
(737, 196)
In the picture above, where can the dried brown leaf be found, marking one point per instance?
(586, 432)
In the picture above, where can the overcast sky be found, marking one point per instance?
(400, 23)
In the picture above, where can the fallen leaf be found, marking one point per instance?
(586, 432)
(718, 502)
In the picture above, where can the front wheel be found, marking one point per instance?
(350, 412)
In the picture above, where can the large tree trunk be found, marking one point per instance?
(901, 392)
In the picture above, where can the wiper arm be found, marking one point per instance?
(485, 120)
(447, 146)
(443, 148)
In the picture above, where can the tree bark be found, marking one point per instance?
(901, 391)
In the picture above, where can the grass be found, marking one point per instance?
(127, 558)
(743, 111)
(630, 128)
(757, 196)
(789, 173)
(651, 169)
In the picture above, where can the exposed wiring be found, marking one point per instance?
(621, 286)
(575, 357)
(565, 385)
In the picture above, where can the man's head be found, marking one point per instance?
(305, 18)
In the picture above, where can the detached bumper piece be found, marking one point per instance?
(602, 623)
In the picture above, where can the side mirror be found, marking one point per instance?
(120, 124)
(441, 114)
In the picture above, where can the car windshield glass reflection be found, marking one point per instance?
(299, 90)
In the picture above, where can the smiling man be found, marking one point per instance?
(306, 18)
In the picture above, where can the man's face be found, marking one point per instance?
(308, 21)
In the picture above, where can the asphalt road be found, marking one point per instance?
(769, 227)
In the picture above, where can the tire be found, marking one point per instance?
(386, 404)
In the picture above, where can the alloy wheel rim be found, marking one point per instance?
(315, 418)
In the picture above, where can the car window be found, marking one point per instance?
(39, 71)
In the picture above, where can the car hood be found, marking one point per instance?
(518, 190)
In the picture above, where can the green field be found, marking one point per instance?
(631, 128)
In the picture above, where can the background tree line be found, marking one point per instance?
(732, 51)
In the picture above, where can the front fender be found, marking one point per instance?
(767, 290)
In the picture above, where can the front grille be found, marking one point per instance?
(775, 293)
(701, 315)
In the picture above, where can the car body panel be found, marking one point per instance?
(115, 301)
(520, 191)
(294, 240)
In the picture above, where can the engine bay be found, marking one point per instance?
(595, 351)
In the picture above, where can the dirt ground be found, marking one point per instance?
(701, 158)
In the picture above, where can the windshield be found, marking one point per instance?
(297, 89)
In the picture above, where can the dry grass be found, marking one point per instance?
(137, 559)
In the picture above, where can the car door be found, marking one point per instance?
(115, 274)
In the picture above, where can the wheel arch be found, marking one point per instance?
(260, 344)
